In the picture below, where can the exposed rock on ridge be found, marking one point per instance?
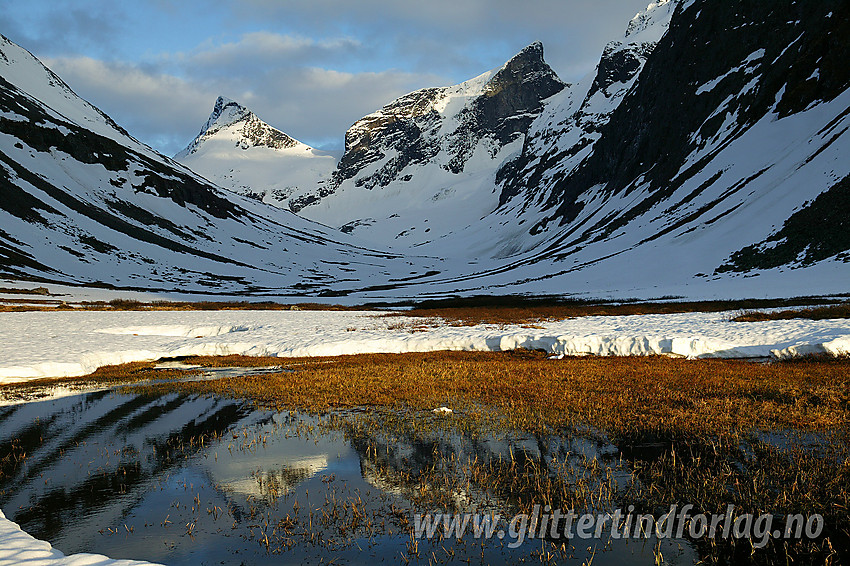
(443, 124)
(250, 130)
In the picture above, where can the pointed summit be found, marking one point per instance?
(534, 52)
(233, 123)
(516, 92)
(240, 152)
(226, 112)
(527, 76)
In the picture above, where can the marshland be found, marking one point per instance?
(267, 460)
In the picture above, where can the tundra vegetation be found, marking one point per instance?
(765, 437)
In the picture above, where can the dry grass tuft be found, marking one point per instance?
(530, 312)
(627, 397)
(815, 313)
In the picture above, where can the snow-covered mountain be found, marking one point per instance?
(82, 202)
(726, 154)
(705, 155)
(709, 144)
(412, 171)
(237, 150)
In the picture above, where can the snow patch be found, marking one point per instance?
(17, 548)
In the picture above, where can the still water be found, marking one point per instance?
(187, 480)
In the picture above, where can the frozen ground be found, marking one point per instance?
(54, 344)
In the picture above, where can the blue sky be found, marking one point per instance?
(310, 68)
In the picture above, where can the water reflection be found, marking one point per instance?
(190, 479)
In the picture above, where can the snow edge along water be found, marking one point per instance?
(17, 548)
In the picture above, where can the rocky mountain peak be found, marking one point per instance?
(530, 55)
(534, 49)
(225, 113)
(234, 123)
(520, 86)
(528, 72)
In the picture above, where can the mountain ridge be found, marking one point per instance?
(94, 206)
(454, 137)
(705, 155)
(252, 132)
(238, 150)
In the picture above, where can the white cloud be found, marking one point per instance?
(261, 50)
(310, 68)
(167, 110)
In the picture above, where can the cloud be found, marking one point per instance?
(156, 108)
(310, 68)
(68, 27)
(263, 50)
(166, 109)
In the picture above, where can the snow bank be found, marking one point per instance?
(53, 344)
(176, 330)
(17, 548)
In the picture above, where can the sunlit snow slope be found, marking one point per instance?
(237, 150)
(82, 202)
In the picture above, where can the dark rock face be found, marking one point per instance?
(409, 127)
(616, 66)
(511, 101)
(651, 132)
(744, 59)
(819, 231)
(545, 152)
(515, 94)
(401, 125)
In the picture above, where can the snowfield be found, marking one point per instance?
(58, 344)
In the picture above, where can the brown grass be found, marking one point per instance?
(463, 313)
(815, 313)
(627, 397)
(134, 305)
